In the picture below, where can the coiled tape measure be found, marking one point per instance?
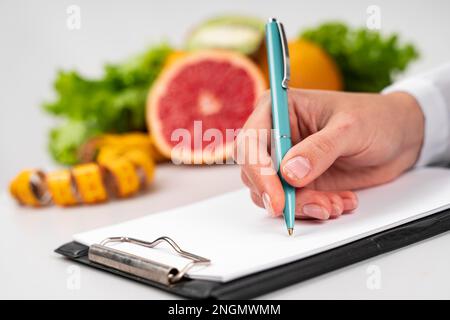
(118, 175)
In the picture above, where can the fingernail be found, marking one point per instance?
(268, 204)
(297, 168)
(337, 210)
(315, 211)
(350, 204)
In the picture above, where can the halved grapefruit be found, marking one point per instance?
(197, 103)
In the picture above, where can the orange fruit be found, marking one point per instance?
(174, 56)
(311, 67)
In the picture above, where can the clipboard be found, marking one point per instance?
(174, 281)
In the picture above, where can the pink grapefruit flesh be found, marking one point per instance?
(217, 88)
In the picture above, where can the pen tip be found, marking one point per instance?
(290, 231)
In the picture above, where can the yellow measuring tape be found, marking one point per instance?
(29, 188)
(120, 172)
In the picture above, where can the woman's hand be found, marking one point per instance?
(341, 142)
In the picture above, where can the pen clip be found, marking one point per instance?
(285, 52)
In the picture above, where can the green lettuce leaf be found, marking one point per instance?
(369, 61)
(113, 103)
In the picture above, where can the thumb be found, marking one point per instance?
(311, 157)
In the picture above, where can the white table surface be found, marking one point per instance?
(30, 269)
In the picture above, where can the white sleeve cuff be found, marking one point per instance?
(437, 131)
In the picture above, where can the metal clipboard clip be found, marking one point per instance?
(140, 266)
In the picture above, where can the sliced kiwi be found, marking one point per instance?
(239, 33)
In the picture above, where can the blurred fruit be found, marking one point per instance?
(211, 89)
(311, 67)
(237, 33)
(174, 56)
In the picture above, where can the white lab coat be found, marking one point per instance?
(432, 92)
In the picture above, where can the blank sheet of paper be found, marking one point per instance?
(241, 238)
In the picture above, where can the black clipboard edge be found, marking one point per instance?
(279, 277)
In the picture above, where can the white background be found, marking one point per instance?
(35, 42)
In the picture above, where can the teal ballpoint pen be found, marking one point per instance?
(279, 72)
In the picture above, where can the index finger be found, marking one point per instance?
(251, 152)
